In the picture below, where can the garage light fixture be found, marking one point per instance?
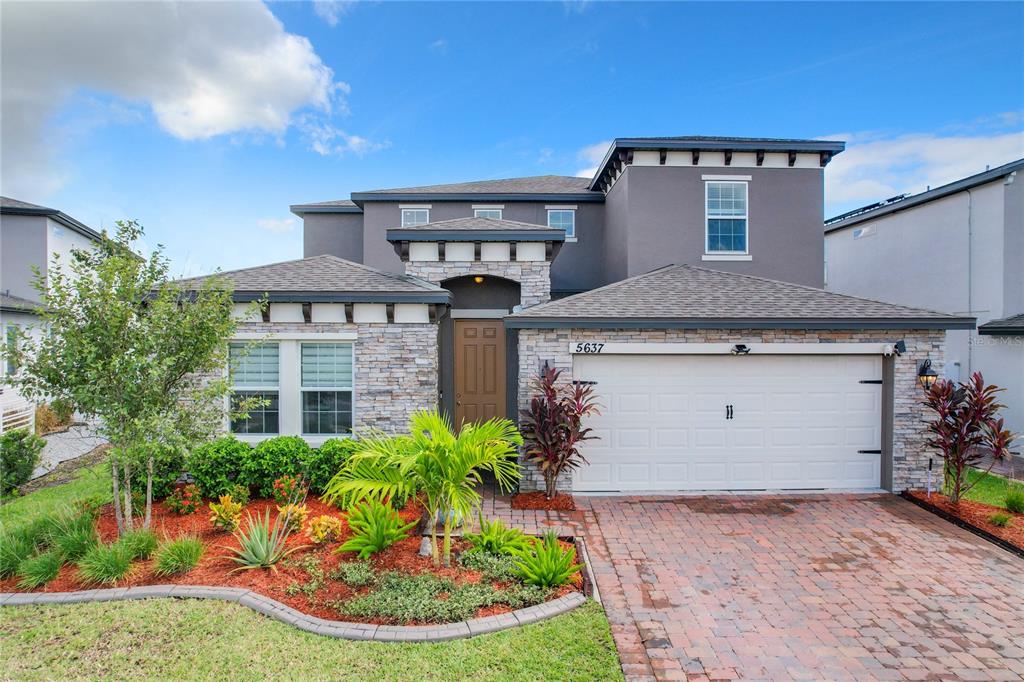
(740, 349)
(926, 376)
(478, 279)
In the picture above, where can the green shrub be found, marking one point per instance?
(500, 567)
(40, 569)
(272, 459)
(185, 500)
(240, 494)
(1015, 499)
(495, 538)
(1000, 519)
(105, 564)
(178, 556)
(139, 544)
(325, 461)
(19, 456)
(14, 548)
(168, 463)
(262, 545)
(217, 466)
(355, 573)
(226, 514)
(547, 563)
(375, 526)
(426, 598)
(64, 410)
(73, 536)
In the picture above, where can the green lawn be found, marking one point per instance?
(94, 480)
(171, 639)
(990, 489)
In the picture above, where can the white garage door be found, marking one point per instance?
(711, 422)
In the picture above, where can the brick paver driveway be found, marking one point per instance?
(815, 587)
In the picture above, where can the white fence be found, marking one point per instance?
(15, 411)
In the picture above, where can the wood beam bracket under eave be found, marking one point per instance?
(760, 157)
(662, 156)
(440, 251)
(512, 251)
(728, 157)
(476, 250)
(696, 157)
(824, 158)
(402, 249)
(350, 309)
(549, 251)
(390, 312)
(792, 159)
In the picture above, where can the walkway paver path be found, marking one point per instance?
(78, 440)
(836, 587)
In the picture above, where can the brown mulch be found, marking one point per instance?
(977, 515)
(539, 501)
(214, 569)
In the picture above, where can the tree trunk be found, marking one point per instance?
(448, 538)
(129, 513)
(114, 476)
(149, 491)
(550, 484)
(433, 538)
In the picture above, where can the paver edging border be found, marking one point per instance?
(966, 525)
(320, 626)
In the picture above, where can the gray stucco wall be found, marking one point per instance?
(335, 234)
(22, 245)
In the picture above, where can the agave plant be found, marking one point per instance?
(443, 466)
(262, 545)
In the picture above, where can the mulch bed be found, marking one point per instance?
(539, 501)
(976, 514)
(215, 566)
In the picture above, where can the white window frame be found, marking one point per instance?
(478, 211)
(564, 209)
(327, 389)
(406, 211)
(255, 389)
(727, 255)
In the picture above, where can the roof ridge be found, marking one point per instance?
(606, 287)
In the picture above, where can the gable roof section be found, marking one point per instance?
(338, 206)
(9, 206)
(902, 203)
(1008, 326)
(324, 279)
(476, 229)
(689, 297)
(535, 188)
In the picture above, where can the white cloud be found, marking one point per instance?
(876, 167)
(591, 155)
(277, 225)
(328, 140)
(439, 45)
(203, 69)
(332, 11)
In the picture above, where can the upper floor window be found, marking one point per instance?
(255, 373)
(326, 384)
(726, 212)
(487, 213)
(412, 217)
(563, 218)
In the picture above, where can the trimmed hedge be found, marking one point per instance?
(326, 461)
(19, 455)
(168, 463)
(217, 466)
(273, 458)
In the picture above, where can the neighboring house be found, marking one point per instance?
(30, 237)
(958, 249)
(719, 360)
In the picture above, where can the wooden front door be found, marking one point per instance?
(479, 370)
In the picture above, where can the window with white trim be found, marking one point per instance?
(10, 341)
(255, 373)
(487, 213)
(412, 217)
(326, 385)
(726, 217)
(563, 219)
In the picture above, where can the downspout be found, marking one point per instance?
(971, 335)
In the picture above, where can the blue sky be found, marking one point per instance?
(207, 136)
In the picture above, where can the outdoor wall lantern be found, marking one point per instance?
(926, 376)
(478, 279)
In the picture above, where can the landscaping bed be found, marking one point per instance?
(539, 501)
(395, 586)
(977, 517)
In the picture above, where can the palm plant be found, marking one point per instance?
(445, 467)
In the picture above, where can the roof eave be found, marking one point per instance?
(409, 235)
(59, 216)
(528, 322)
(302, 209)
(441, 297)
(478, 196)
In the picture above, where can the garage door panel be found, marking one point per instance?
(798, 422)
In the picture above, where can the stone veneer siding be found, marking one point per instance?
(395, 368)
(534, 277)
(909, 451)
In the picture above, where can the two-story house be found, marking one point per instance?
(30, 236)
(684, 280)
(958, 248)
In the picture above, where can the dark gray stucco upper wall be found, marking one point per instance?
(335, 234)
(577, 266)
(665, 221)
(22, 246)
(1013, 247)
(616, 230)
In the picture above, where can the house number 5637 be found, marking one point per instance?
(589, 347)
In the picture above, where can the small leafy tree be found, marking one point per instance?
(965, 429)
(126, 345)
(433, 460)
(553, 425)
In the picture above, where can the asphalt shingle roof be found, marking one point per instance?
(17, 303)
(470, 224)
(540, 184)
(1013, 325)
(690, 293)
(8, 202)
(322, 275)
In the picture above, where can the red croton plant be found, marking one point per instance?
(553, 426)
(966, 429)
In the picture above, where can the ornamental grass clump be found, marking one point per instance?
(139, 544)
(547, 563)
(262, 544)
(1000, 520)
(74, 536)
(105, 564)
(40, 569)
(178, 556)
(1015, 499)
(14, 548)
(375, 527)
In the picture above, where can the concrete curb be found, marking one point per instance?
(320, 626)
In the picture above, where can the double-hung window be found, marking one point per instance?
(726, 212)
(326, 384)
(255, 373)
(411, 217)
(487, 213)
(564, 219)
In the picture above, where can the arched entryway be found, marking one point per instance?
(474, 352)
